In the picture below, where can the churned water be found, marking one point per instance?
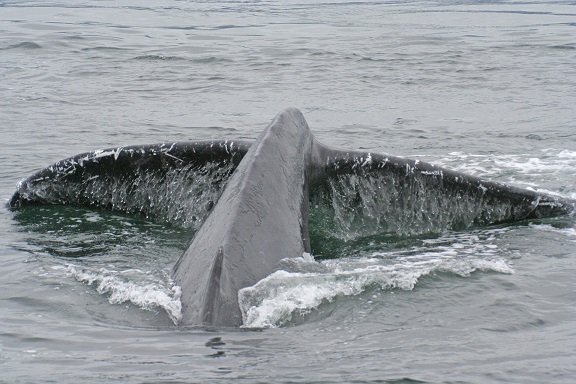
(483, 87)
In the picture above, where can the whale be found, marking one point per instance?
(250, 202)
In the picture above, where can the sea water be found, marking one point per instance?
(486, 88)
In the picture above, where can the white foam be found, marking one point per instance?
(533, 165)
(567, 154)
(569, 231)
(275, 300)
(145, 294)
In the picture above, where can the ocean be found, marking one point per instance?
(482, 87)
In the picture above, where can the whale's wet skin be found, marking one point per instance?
(399, 275)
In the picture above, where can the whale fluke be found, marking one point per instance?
(250, 202)
(176, 182)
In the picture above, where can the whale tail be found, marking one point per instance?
(250, 202)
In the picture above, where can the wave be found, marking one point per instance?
(23, 45)
(158, 58)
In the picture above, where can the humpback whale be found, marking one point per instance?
(253, 209)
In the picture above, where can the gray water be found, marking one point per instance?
(485, 87)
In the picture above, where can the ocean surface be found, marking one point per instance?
(483, 87)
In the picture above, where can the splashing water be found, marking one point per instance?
(274, 301)
(136, 286)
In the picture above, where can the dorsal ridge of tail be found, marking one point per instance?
(213, 293)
